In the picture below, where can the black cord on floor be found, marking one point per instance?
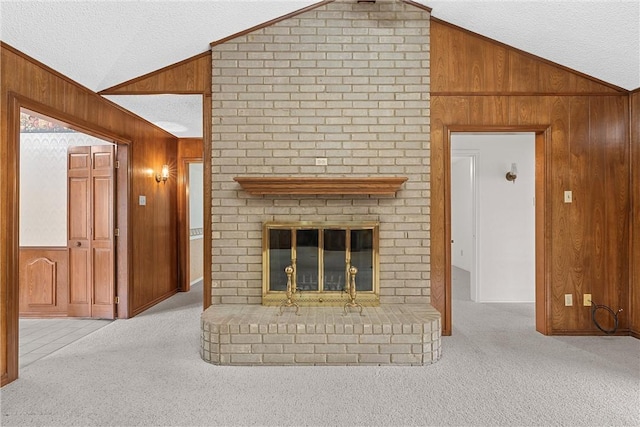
(595, 307)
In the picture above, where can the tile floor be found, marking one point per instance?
(40, 337)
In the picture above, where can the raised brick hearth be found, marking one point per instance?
(399, 334)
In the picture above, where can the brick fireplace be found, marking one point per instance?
(339, 91)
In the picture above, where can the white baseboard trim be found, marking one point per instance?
(193, 282)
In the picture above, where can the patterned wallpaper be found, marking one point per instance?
(34, 124)
(43, 185)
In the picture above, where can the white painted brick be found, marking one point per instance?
(311, 338)
(311, 358)
(375, 339)
(383, 359)
(413, 359)
(246, 359)
(355, 113)
(330, 348)
(298, 348)
(342, 339)
(279, 359)
(267, 348)
(342, 359)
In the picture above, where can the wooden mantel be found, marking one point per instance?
(380, 185)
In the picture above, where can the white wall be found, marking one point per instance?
(506, 215)
(461, 218)
(43, 186)
(196, 213)
(196, 196)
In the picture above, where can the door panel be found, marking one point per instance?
(103, 283)
(43, 282)
(79, 275)
(90, 230)
(103, 259)
(79, 231)
(102, 209)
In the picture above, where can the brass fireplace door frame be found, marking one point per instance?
(321, 297)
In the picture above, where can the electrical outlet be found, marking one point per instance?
(321, 161)
(568, 300)
(586, 300)
(568, 196)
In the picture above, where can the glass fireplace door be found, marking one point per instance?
(306, 266)
(320, 255)
(334, 260)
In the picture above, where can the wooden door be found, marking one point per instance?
(102, 220)
(90, 232)
(79, 231)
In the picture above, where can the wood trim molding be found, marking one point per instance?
(78, 85)
(269, 23)
(271, 185)
(532, 56)
(441, 226)
(418, 5)
(67, 120)
(590, 332)
(206, 162)
(587, 94)
(184, 250)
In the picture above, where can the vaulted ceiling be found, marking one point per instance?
(101, 43)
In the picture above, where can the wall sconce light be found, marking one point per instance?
(163, 175)
(513, 173)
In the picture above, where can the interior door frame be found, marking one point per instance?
(543, 291)
(123, 242)
(184, 227)
(474, 156)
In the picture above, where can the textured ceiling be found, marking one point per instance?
(180, 115)
(102, 43)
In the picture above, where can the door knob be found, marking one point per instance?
(78, 244)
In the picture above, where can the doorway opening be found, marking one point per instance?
(72, 204)
(494, 228)
(195, 221)
(191, 224)
(492, 218)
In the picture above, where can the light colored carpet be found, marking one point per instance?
(495, 370)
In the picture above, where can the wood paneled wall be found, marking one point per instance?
(152, 228)
(191, 76)
(634, 308)
(478, 84)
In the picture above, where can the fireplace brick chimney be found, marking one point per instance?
(347, 82)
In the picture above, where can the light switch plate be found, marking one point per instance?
(568, 300)
(142, 200)
(568, 196)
